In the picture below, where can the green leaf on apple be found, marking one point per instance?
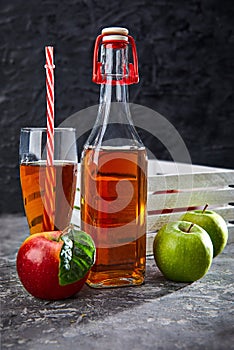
(76, 257)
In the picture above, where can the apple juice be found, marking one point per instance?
(32, 176)
(113, 212)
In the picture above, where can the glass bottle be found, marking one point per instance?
(114, 170)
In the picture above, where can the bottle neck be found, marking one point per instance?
(114, 63)
(114, 126)
(114, 93)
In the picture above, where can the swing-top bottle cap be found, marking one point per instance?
(115, 33)
(118, 38)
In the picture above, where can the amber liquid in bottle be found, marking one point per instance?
(115, 216)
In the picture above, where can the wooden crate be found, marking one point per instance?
(174, 188)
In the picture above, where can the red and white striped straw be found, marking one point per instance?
(49, 199)
(49, 51)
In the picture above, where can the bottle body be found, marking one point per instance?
(114, 178)
(113, 212)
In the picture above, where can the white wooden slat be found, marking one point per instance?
(155, 222)
(151, 235)
(149, 242)
(186, 199)
(168, 167)
(187, 181)
(230, 233)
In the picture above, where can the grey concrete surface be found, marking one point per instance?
(158, 315)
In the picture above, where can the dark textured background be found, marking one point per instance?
(186, 62)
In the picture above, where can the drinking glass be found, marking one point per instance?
(39, 190)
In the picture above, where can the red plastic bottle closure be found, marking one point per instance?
(132, 77)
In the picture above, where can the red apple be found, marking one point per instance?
(53, 265)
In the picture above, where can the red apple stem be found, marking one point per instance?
(205, 207)
(66, 230)
(190, 227)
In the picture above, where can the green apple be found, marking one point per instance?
(214, 225)
(183, 252)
